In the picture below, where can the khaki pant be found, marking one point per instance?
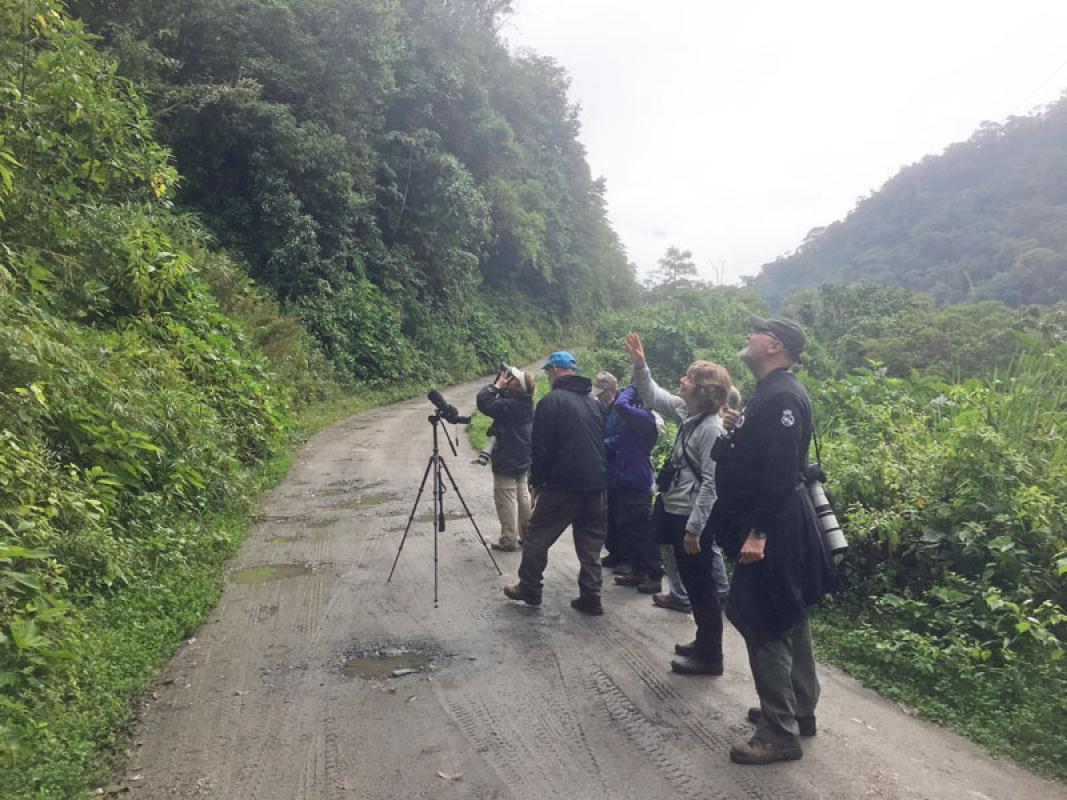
(512, 498)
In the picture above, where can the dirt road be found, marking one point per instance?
(276, 696)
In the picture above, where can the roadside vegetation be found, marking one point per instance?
(949, 477)
(207, 251)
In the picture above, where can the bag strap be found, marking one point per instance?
(685, 445)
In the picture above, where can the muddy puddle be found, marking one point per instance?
(366, 501)
(389, 660)
(265, 573)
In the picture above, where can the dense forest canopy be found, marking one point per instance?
(387, 167)
(985, 220)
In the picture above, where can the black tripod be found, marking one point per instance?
(437, 463)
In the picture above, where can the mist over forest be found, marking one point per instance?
(984, 220)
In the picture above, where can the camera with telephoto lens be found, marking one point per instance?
(487, 451)
(833, 538)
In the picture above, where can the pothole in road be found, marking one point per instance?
(268, 572)
(388, 660)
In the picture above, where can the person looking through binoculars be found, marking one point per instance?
(508, 401)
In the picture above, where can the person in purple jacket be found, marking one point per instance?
(630, 441)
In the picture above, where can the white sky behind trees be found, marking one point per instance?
(733, 129)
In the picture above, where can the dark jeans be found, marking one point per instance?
(553, 511)
(697, 575)
(630, 534)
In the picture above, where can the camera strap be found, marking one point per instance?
(685, 443)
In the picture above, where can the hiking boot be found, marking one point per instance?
(650, 585)
(665, 600)
(757, 751)
(806, 724)
(588, 604)
(522, 594)
(694, 650)
(611, 560)
(504, 547)
(696, 665)
(631, 579)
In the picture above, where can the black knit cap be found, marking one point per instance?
(786, 331)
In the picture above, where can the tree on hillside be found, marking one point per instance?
(676, 270)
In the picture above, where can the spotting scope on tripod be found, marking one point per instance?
(443, 412)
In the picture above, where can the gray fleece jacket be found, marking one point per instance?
(687, 497)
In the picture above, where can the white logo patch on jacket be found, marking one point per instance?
(787, 418)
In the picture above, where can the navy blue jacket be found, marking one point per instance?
(512, 416)
(629, 435)
(759, 482)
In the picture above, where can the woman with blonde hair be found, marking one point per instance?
(686, 495)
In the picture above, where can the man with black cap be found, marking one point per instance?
(568, 473)
(759, 520)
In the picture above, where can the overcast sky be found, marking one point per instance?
(733, 129)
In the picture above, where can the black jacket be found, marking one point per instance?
(568, 438)
(758, 477)
(512, 416)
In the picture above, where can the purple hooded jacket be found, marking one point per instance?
(629, 435)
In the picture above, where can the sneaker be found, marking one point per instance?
(588, 604)
(504, 547)
(631, 579)
(650, 586)
(757, 751)
(664, 600)
(696, 665)
(522, 594)
(806, 724)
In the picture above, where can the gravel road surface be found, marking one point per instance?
(287, 691)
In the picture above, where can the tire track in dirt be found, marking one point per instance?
(531, 704)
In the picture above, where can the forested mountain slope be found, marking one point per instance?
(385, 166)
(984, 220)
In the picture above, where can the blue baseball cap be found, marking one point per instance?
(561, 359)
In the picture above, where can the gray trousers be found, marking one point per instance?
(784, 671)
(553, 511)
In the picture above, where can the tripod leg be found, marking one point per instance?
(438, 515)
(414, 506)
(470, 516)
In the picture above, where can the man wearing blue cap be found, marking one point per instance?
(568, 473)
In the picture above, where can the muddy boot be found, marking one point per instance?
(588, 604)
(633, 578)
(522, 594)
(697, 664)
(650, 585)
(759, 752)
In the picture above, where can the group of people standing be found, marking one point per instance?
(731, 484)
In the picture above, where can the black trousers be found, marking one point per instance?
(696, 573)
(630, 535)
